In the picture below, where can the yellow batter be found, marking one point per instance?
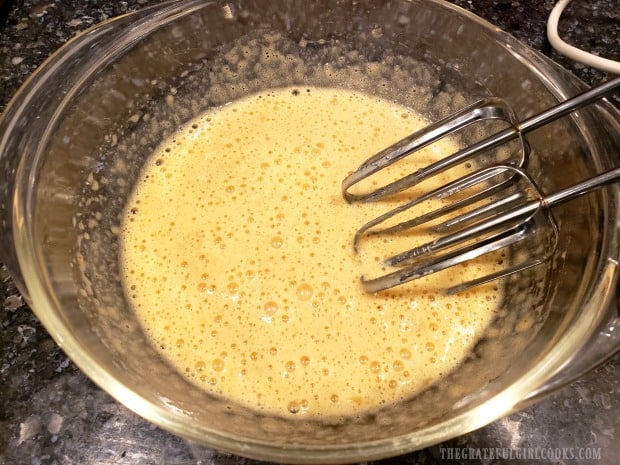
(237, 256)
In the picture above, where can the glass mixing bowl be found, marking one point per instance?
(75, 136)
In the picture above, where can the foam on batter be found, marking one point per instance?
(237, 256)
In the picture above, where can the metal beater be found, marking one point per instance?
(495, 207)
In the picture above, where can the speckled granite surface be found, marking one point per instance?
(50, 413)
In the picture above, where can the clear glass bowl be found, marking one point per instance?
(75, 136)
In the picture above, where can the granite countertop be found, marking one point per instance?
(50, 413)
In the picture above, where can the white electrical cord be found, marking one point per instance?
(574, 53)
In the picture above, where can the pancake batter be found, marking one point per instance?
(237, 257)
